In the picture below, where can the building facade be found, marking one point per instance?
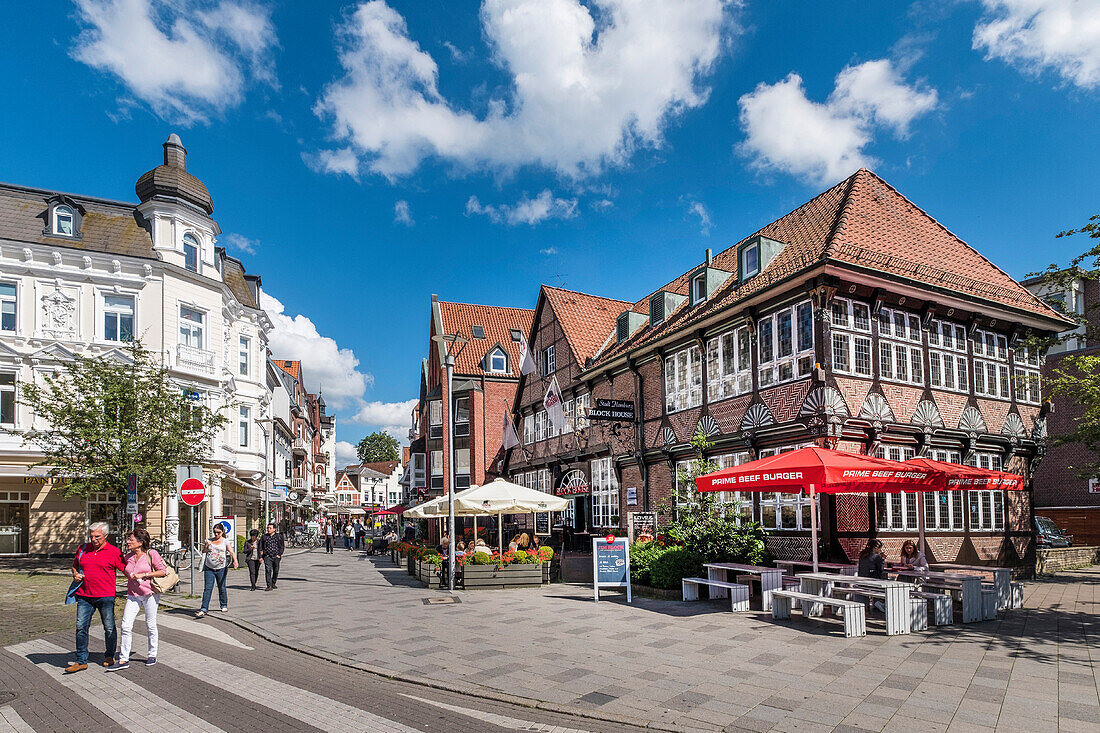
(856, 322)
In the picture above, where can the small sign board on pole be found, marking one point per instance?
(131, 494)
(229, 524)
(641, 524)
(610, 564)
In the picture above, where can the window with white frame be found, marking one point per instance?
(118, 318)
(498, 361)
(734, 501)
(682, 483)
(605, 494)
(191, 327)
(435, 412)
(729, 365)
(7, 398)
(699, 288)
(63, 221)
(543, 483)
(683, 379)
(541, 424)
(897, 511)
(943, 510)
(190, 252)
(8, 306)
(1027, 363)
(750, 261)
(991, 375)
(785, 511)
(528, 429)
(900, 356)
(437, 463)
(986, 506)
(568, 408)
(244, 352)
(244, 425)
(785, 344)
(549, 363)
(462, 461)
(947, 361)
(851, 349)
(462, 409)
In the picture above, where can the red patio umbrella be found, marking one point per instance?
(822, 471)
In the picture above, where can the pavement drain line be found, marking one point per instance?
(483, 694)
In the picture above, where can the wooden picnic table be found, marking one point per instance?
(898, 613)
(1002, 579)
(970, 586)
(840, 567)
(770, 579)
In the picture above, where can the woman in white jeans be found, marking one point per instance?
(142, 564)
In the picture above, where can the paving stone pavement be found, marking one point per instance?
(695, 666)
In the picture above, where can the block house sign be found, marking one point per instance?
(615, 410)
(573, 484)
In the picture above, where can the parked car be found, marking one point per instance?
(1048, 534)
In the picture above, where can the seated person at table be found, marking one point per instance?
(872, 565)
(523, 542)
(514, 544)
(481, 547)
(460, 547)
(534, 543)
(912, 558)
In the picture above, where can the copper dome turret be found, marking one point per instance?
(172, 179)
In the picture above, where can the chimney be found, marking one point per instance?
(708, 256)
(175, 155)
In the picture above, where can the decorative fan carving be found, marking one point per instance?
(826, 401)
(927, 416)
(669, 436)
(708, 426)
(1040, 431)
(972, 422)
(876, 409)
(1014, 427)
(757, 416)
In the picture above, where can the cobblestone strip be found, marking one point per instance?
(503, 721)
(303, 705)
(131, 706)
(10, 722)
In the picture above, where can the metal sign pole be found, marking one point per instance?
(192, 550)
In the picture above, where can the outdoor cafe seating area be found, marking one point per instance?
(908, 598)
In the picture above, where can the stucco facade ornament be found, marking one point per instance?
(58, 311)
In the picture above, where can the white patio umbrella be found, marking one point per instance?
(502, 497)
(427, 509)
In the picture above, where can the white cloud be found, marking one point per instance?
(186, 60)
(526, 210)
(700, 211)
(242, 243)
(392, 417)
(824, 142)
(549, 251)
(401, 213)
(327, 366)
(584, 94)
(346, 454)
(1035, 35)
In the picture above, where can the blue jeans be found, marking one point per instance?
(210, 577)
(85, 608)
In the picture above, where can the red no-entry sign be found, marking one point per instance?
(192, 492)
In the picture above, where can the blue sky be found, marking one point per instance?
(363, 156)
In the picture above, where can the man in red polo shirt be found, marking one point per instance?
(95, 565)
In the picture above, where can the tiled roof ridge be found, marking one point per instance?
(841, 221)
(16, 187)
(1023, 292)
(574, 336)
(587, 295)
(482, 305)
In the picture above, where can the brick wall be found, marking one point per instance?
(1065, 558)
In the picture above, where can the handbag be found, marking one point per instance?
(168, 582)
(70, 595)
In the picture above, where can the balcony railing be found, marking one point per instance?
(298, 483)
(301, 444)
(193, 359)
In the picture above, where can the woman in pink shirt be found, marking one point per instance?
(141, 565)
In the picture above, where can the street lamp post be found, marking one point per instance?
(267, 455)
(454, 345)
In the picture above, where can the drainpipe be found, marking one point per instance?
(639, 442)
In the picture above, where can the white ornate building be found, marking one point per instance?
(83, 275)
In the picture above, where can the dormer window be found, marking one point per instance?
(750, 261)
(516, 335)
(63, 221)
(479, 331)
(190, 252)
(657, 309)
(699, 288)
(498, 361)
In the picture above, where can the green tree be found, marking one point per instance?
(378, 446)
(99, 420)
(1076, 376)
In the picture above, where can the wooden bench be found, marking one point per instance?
(942, 605)
(989, 602)
(918, 609)
(855, 614)
(738, 592)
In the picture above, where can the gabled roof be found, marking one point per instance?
(498, 323)
(293, 368)
(586, 320)
(861, 222)
(383, 467)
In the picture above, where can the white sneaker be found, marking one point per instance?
(225, 608)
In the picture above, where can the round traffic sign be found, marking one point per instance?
(192, 492)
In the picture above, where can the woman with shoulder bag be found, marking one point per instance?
(253, 557)
(218, 556)
(142, 564)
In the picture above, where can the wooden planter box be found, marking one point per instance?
(410, 563)
(427, 572)
(510, 576)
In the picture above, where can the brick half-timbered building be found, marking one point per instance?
(859, 322)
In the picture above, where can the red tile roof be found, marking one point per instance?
(864, 222)
(293, 368)
(497, 321)
(385, 467)
(587, 320)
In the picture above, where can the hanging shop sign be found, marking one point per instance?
(573, 484)
(614, 410)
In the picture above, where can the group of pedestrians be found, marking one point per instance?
(97, 562)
